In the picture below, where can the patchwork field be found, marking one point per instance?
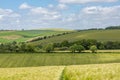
(55, 59)
(75, 72)
(100, 35)
(21, 36)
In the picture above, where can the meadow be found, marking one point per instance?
(9, 60)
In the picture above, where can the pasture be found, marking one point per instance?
(55, 59)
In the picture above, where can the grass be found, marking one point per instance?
(100, 35)
(92, 72)
(55, 59)
(21, 36)
(31, 73)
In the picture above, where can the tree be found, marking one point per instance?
(93, 48)
(65, 43)
(73, 48)
(76, 47)
(79, 48)
(49, 48)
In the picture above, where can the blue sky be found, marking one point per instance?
(68, 14)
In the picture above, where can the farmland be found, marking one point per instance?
(31, 73)
(55, 59)
(92, 72)
(75, 72)
(22, 36)
(100, 35)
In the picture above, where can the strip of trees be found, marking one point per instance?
(76, 46)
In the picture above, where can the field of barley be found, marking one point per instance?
(92, 72)
(75, 72)
(32, 73)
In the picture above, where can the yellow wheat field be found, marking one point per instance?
(93, 72)
(34, 73)
(79, 72)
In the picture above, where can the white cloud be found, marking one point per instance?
(101, 10)
(51, 6)
(44, 13)
(1, 16)
(62, 6)
(84, 1)
(8, 13)
(24, 6)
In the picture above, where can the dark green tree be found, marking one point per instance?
(49, 48)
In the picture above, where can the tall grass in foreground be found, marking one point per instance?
(33, 73)
(92, 72)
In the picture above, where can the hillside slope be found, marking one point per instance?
(21, 36)
(100, 35)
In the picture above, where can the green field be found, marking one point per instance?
(21, 36)
(75, 72)
(100, 35)
(56, 59)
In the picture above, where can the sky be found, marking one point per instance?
(67, 14)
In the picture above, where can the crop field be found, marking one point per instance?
(92, 72)
(100, 35)
(31, 73)
(20, 36)
(76, 72)
(55, 59)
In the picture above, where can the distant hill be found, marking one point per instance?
(100, 35)
(24, 35)
(113, 27)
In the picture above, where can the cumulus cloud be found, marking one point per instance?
(84, 1)
(8, 13)
(44, 13)
(54, 16)
(62, 6)
(24, 6)
(114, 10)
(100, 16)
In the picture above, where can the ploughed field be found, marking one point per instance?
(75, 72)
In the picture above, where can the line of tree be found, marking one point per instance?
(113, 27)
(76, 46)
(46, 37)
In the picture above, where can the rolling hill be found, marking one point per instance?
(21, 36)
(100, 35)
